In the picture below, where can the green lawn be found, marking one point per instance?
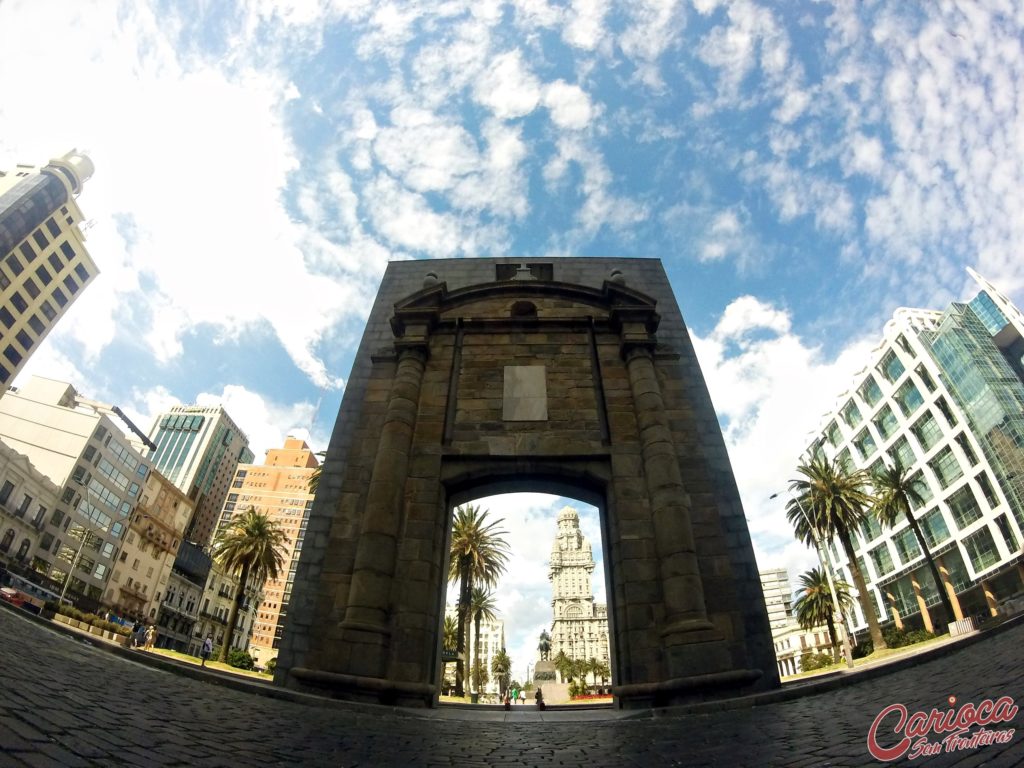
(220, 667)
(886, 653)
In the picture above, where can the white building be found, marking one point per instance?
(27, 496)
(492, 640)
(943, 393)
(778, 597)
(44, 264)
(81, 449)
(579, 626)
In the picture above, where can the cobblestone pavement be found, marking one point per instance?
(65, 703)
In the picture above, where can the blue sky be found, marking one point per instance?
(802, 169)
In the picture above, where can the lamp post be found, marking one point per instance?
(826, 566)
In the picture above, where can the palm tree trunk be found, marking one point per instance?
(476, 653)
(943, 595)
(465, 592)
(863, 596)
(831, 622)
(233, 614)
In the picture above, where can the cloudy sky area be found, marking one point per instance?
(802, 170)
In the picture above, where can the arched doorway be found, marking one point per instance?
(504, 376)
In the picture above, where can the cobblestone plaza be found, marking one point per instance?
(65, 703)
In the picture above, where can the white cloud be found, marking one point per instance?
(569, 105)
(654, 26)
(507, 87)
(584, 27)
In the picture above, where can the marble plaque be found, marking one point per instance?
(525, 393)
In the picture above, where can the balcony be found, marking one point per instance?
(134, 590)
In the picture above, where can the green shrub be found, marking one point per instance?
(240, 659)
(919, 636)
(895, 638)
(271, 666)
(863, 648)
(812, 661)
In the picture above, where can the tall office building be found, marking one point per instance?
(943, 394)
(579, 626)
(43, 261)
(778, 597)
(77, 444)
(198, 449)
(279, 488)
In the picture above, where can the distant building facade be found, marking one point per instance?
(492, 640)
(579, 626)
(77, 444)
(44, 264)
(943, 394)
(27, 497)
(778, 597)
(198, 449)
(278, 488)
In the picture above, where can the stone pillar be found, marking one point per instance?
(369, 595)
(926, 617)
(990, 597)
(686, 621)
(950, 589)
(892, 608)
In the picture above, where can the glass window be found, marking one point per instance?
(881, 559)
(981, 548)
(19, 302)
(869, 391)
(946, 468)
(944, 409)
(965, 446)
(70, 284)
(869, 528)
(67, 250)
(59, 297)
(27, 251)
(12, 354)
(56, 517)
(986, 488)
(6, 317)
(82, 272)
(865, 444)
(37, 325)
(55, 262)
(925, 377)
(934, 528)
(909, 398)
(1007, 532)
(851, 414)
(31, 288)
(927, 431)
(963, 506)
(5, 492)
(48, 310)
(907, 546)
(40, 239)
(25, 340)
(14, 264)
(43, 275)
(5, 281)
(4, 374)
(833, 434)
(904, 345)
(921, 484)
(53, 227)
(885, 422)
(891, 367)
(902, 453)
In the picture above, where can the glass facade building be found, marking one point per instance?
(943, 395)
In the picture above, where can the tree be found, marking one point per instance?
(834, 499)
(565, 666)
(481, 607)
(250, 546)
(501, 668)
(479, 678)
(478, 555)
(897, 494)
(814, 606)
(602, 671)
(314, 479)
(544, 646)
(451, 633)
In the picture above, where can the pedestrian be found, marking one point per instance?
(138, 635)
(515, 695)
(539, 696)
(207, 650)
(508, 701)
(150, 638)
(522, 698)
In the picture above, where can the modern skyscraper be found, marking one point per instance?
(943, 394)
(778, 597)
(579, 626)
(198, 449)
(44, 260)
(278, 488)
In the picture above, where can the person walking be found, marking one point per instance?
(150, 638)
(522, 698)
(515, 695)
(207, 650)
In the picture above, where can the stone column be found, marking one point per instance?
(990, 598)
(950, 589)
(376, 553)
(926, 617)
(686, 620)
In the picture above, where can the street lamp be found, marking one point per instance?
(826, 566)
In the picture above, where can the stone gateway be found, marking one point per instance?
(572, 376)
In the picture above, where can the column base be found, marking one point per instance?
(367, 690)
(688, 690)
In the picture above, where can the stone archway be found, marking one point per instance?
(504, 375)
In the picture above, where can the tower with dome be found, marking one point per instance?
(579, 626)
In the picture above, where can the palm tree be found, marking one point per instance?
(481, 607)
(603, 671)
(896, 494)
(451, 633)
(251, 545)
(478, 555)
(814, 607)
(501, 667)
(565, 666)
(835, 500)
(544, 646)
(314, 479)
